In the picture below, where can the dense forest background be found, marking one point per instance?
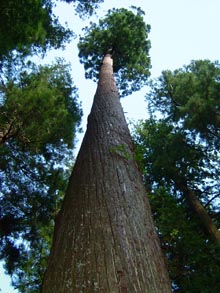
(176, 144)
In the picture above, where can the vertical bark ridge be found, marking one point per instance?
(105, 239)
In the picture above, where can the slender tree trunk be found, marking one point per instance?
(7, 132)
(104, 238)
(199, 210)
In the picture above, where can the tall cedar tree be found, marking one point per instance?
(104, 239)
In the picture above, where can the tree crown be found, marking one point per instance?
(125, 34)
(190, 96)
(30, 25)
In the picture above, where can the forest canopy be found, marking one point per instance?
(178, 151)
(30, 26)
(40, 114)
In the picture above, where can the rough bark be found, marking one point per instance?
(104, 238)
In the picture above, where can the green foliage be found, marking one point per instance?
(27, 25)
(40, 115)
(44, 98)
(193, 260)
(191, 96)
(182, 148)
(168, 157)
(120, 150)
(32, 263)
(168, 153)
(125, 34)
(85, 6)
(30, 26)
(32, 187)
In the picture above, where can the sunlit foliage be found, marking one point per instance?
(124, 34)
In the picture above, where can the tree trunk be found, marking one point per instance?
(104, 238)
(7, 132)
(208, 225)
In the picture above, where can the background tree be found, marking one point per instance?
(30, 26)
(40, 115)
(104, 239)
(180, 157)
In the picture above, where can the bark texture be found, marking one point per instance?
(104, 238)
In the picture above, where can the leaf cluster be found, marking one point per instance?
(28, 26)
(125, 34)
(192, 258)
(40, 116)
(31, 191)
(173, 158)
(38, 105)
(190, 95)
(85, 7)
(178, 148)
